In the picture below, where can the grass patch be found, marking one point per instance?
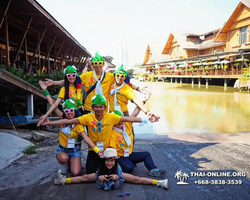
(30, 149)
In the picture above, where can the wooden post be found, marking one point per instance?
(206, 83)
(26, 56)
(5, 13)
(21, 43)
(30, 105)
(225, 84)
(37, 46)
(7, 42)
(39, 54)
(48, 53)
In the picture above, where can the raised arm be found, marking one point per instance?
(49, 82)
(131, 119)
(49, 98)
(53, 107)
(59, 122)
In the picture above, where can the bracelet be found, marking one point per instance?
(137, 89)
(96, 149)
(46, 92)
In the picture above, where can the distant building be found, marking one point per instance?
(122, 54)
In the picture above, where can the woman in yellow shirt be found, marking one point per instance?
(72, 90)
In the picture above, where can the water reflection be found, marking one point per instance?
(192, 110)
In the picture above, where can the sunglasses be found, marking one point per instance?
(97, 63)
(71, 75)
(120, 75)
(70, 110)
(99, 128)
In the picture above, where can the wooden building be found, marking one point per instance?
(30, 36)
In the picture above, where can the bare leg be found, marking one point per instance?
(145, 181)
(136, 179)
(62, 158)
(76, 166)
(84, 178)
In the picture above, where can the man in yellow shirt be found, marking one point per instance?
(100, 124)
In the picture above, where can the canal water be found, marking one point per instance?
(186, 110)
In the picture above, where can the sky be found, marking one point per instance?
(99, 25)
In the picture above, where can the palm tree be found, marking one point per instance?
(181, 176)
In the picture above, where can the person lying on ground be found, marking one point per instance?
(100, 124)
(109, 175)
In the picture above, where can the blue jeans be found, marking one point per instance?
(76, 152)
(128, 163)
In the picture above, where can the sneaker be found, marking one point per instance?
(64, 168)
(60, 179)
(157, 173)
(162, 183)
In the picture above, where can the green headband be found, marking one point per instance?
(121, 70)
(69, 103)
(97, 57)
(70, 69)
(98, 100)
(118, 112)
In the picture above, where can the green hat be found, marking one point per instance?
(70, 69)
(118, 112)
(98, 100)
(69, 103)
(121, 70)
(97, 57)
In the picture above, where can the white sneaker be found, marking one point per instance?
(162, 183)
(64, 168)
(60, 179)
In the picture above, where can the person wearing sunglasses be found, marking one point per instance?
(72, 90)
(94, 82)
(121, 93)
(100, 125)
(70, 137)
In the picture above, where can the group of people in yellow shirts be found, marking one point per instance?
(98, 100)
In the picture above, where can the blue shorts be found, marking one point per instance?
(76, 152)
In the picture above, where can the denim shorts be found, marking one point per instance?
(76, 152)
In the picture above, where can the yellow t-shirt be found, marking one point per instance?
(74, 133)
(88, 80)
(100, 131)
(125, 93)
(118, 142)
(72, 94)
